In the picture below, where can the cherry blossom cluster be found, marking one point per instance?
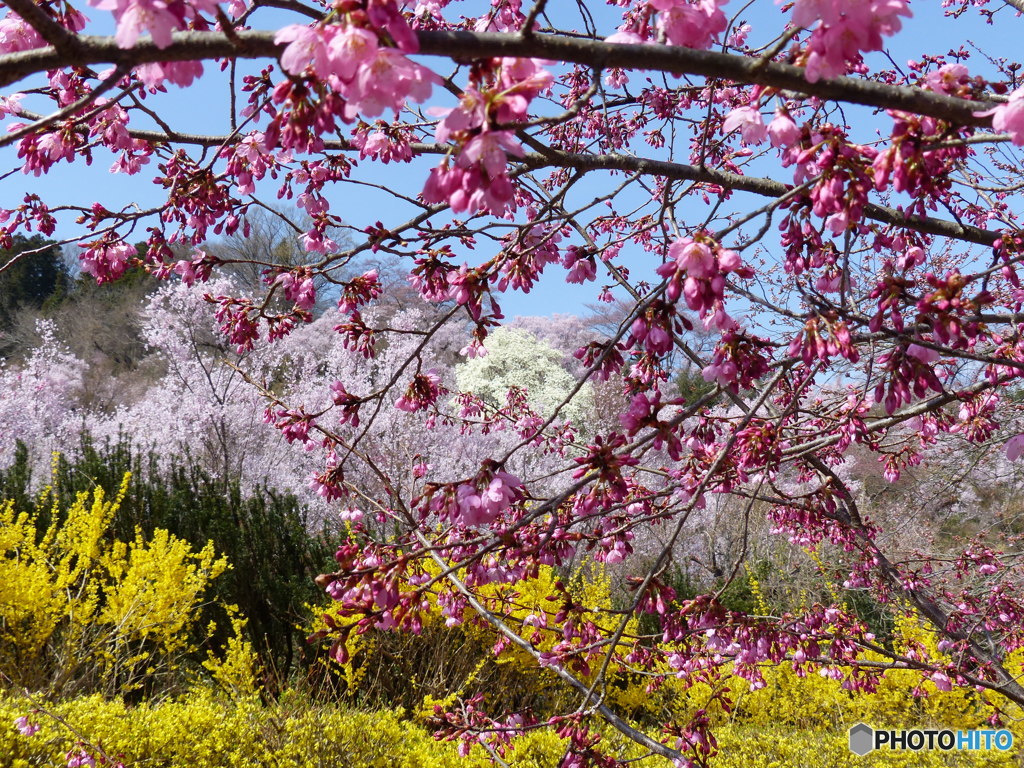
(478, 177)
(843, 30)
(690, 23)
(422, 392)
(367, 77)
(159, 19)
(697, 271)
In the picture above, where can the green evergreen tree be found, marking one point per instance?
(32, 274)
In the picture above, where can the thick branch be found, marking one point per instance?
(627, 163)
(465, 46)
(712, 64)
(754, 184)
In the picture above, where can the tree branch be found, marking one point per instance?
(753, 184)
(556, 158)
(466, 46)
(42, 122)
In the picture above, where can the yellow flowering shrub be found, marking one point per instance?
(444, 663)
(235, 671)
(81, 612)
(204, 730)
(793, 720)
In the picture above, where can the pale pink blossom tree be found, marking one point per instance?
(39, 401)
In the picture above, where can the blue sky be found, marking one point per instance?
(204, 108)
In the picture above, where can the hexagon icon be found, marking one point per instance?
(862, 739)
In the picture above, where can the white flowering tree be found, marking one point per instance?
(515, 359)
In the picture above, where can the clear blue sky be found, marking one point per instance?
(204, 109)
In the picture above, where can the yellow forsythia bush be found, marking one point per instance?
(448, 662)
(791, 721)
(203, 730)
(80, 612)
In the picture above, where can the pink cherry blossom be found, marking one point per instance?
(11, 105)
(846, 29)
(625, 37)
(298, 288)
(949, 78)
(422, 392)
(143, 15)
(924, 354)
(782, 131)
(25, 726)
(387, 81)
(694, 258)
(489, 150)
(160, 19)
(1014, 447)
(180, 73)
(350, 515)
(690, 23)
(478, 179)
(748, 121)
(476, 506)
(17, 35)
(581, 265)
(1009, 117)
(106, 261)
(520, 81)
(942, 681)
(79, 758)
(351, 48)
(307, 47)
